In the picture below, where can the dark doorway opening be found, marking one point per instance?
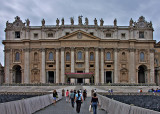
(79, 80)
(141, 74)
(50, 76)
(108, 77)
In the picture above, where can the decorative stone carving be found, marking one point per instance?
(72, 21)
(57, 22)
(132, 49)
(26, 49)
(62, 21)
(142, 23)
(101, 22)
(95, 22)
(115, 22)
(79, 35)
(7, 50)
(28, 22)
(80, 20)
(43, 22)
(86, 21)
(152, 50)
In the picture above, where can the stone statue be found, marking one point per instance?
(86, 21)
(62, 21)
(28, 22)
(72, 21)
(7, 23)
(95, 22)
(131, 23)
(57, 21)
(43, 22)
(17, 18)
(115, 22)
(80, 20)
(101, 22)
(150, 24)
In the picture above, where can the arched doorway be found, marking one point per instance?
(142, 69)
(17, 75)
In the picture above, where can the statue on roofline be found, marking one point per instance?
(95, 22)
(57, 21)
(86, 21)
(72, 21)
(101, 22)
(115, 22)
(28, 22)
(43, 22)
(62, 21)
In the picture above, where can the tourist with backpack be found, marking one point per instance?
(78, 99)
(71, 97)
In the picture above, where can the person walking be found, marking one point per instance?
(55, 95)
(71, 97)
(84, 95)
(94, 103)
(78, 99)
(67, 96)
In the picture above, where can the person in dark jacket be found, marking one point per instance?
(55, 95)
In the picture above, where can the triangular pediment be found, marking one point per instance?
(79, 36)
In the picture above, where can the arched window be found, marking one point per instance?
(91, 56)
(17, 56)
(51, 56)
(142, 57)
(67, 56)
(35, 56)
(50, 34)
(108, 56)
(79, 55)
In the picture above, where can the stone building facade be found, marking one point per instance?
(1, 74)
(157, 63)
(79, 53)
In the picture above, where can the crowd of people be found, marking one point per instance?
(154, 90)
(78, 97)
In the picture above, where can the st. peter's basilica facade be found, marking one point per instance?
(79, 53)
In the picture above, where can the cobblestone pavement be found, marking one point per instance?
(62, 107)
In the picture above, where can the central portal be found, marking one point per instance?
(50, 76)
(80, 80)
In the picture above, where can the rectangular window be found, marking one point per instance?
(91, 65)
(141, 34)
(123, 35)
(67, 65)
(67, 33)
(108, 35)
(35, 35)
(108, 65)
(50, 65)
(17, 34)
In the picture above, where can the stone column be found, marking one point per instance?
(26, 66)
(27, 33)
(57, 65)
(7, 65)
(152, 66)
(43, 69)
(72, 64)
(115, 65)
(97, 66)
(86, 64)
(62, 66)
(132, 69)
(11, 77)
(102, 65)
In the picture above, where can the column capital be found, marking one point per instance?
(152, 50)
(26, 49)
(132, 49)
(72, 48)
(116, 50)
(42, 49)
(7, 50)
(57, 49)
(86, 48)
(102, 49)
(96, 48)
(62, 48)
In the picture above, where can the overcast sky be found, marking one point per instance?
(50, 10)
